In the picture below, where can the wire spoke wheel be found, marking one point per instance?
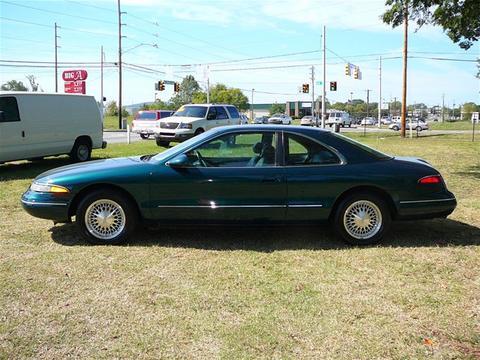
(362, 219)
(105, 219)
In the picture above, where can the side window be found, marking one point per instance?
(164, 114)
(10, 109)
(233, 112)
(212, 113)
(236, 150)
(221, 113)
(303, 151)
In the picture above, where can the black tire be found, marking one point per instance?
(81, 151)
(162, 143)
(106, 195)
(144, 136)
(199, 131)
(419, 128)
(361, 199)
(395, 128)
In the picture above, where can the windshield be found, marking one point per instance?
(371, 151)
(191, 111)
(146, 116)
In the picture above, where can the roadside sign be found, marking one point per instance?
(475, 117)
(74, 75)
(75, 87)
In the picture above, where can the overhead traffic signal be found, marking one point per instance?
(160, 85)
(348, 72)
(333, 86)
(305, 88)
(176, 87)
(356, 72)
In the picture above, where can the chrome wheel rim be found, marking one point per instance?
(362, 219)
(82, 152)
(105, 219)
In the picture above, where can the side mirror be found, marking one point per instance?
(2, 116)
(179, 162)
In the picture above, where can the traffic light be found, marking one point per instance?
(333, 86)
(160, 86)
(347, 70)
(176, 87)
(305, 88)
(356, 72)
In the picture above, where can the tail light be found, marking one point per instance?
(431, 179)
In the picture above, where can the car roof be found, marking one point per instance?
(210, 104)
(261, 127)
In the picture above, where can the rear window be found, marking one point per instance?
(10, 109)
(233, 111)
(146, 116)
(378, 154)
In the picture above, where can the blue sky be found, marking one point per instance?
(194, 33)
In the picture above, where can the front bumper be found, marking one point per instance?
(174, 136)
(427, 208)
(46, 205)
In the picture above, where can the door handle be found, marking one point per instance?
(23, 133)
(271, 180)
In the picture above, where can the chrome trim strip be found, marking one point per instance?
(305, 206)
(425, 201)
(240, 206)
(42, 203)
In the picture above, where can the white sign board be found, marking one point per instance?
(306, 105)
(475, 117)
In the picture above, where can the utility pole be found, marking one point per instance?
(208, 84)
(56, 58)
(368, 103)
(313, 94)
(443, 108)
(101, 81)
(251, 107)
(120, 105)
(405, 53)
(379, 91)
(324, 92)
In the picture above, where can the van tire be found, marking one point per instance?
(81, 151)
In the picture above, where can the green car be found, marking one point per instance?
(236, 174)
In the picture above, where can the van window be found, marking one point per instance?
(10, 109)
(146, 116)
(233, 112)
(221, 113)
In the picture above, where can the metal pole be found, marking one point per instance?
(324, 78)
(313, 93)
(405, 53)
(251, 107)
(380, 92)
(365, 122)
(56, 60)
(208, 84)
(443, 108)
(119, 65)
(101, 80)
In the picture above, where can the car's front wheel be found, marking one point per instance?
(106, 217)
(362, 219)
(144, 136)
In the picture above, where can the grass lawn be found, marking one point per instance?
(111, 122)
(246, 293)
(453, 125)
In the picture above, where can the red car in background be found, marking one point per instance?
(147, 120)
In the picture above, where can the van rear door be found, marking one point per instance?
(13, 145)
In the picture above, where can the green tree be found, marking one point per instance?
(188, 88)
(222, 94)
(467, 110)
(277, 108)
(459, 19)
(111, 109)
(13, 85)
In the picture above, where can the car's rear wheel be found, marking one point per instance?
(81, 151)
(144, 136)
(106, 217)
(362, 219)
(162, 143)
(395, 128)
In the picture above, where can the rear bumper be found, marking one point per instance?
(104, 144)
(426, 209)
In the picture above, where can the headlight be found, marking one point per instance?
(185, 126)
(51, 188)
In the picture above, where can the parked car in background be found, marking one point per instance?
(336, 117)
(280, 119)
(415, 125)
(146, 121)
(260, 120)
(309, 120)
(193, 119)
(243, 119)
(35, 124)
(368, 121)
(386, 120)
(244, 175)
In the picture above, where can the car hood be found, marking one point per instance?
(91, 169)
(183, 119)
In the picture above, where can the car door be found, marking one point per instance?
(234, 177)
(222, 117)
(212, 121)
(13, 143)
(314, 175)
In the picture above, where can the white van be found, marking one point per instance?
(341, 118)
(34, 125)
(193, 119)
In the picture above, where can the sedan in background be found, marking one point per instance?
(308, 121)
(368, 121)
(280, 119)
(261, 120)
(245, 175)
(414, 125)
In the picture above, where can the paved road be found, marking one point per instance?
(117, 137)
